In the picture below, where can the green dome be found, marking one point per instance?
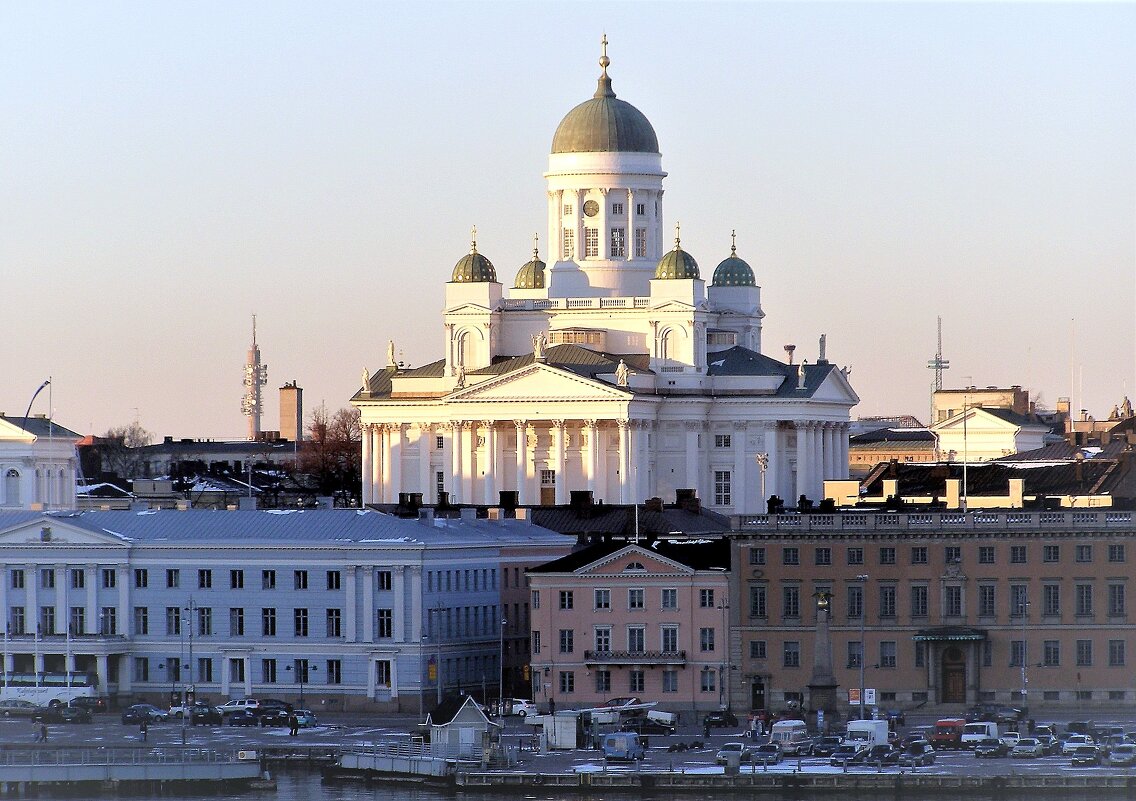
(605, 124)
(734, 271)
(678, 263)
(473, 268)
(531, 275)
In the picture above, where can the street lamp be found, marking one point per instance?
(863, 579)
(301, 668)
(501, 670)
(1024, 609)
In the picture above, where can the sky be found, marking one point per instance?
(169, 169)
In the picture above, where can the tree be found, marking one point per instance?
(118, 450)
(332, 454)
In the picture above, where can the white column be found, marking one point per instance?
(398, 591)
(367, 466)
(456, 428)
(376, 475)
(100, 669)
(843, 470)
(630, 241)
(385, 493)
(225, 675)
(62, 599)
(804, 451)
(395, 433)
(817, 473)
(691, 479)
(739, 488)
(491, 497)
(351, 590)
(469, 444)
(425, 447)
(624, 459)
(589, 458)
(532, 477)
(522, 458)
(368, 603)
(561, 486)
(122, 584)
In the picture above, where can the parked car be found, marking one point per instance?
(18, 708)
(878, 755)
(144, 712)
(1086, 756)
(1027, 748)
(723, 718)
(990, 748)
(205, 715)
(982, 713)
(1049, 744)
(1123, 756)
(824, 746)
(1010, 738)
(767, 754)
(242, 717)
(63, 714)
(917, 754)
(1079, 726)
(522, 707)
(1075, 741)
(623, 700)
(273, 717)
(739, 749)
(1005, 715)
(239, 705)
(273, 703)
(844, 753)
(305, 717)
(94, 703)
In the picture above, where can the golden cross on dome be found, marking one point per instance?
(604, 60)
(473, 239)
(678, 229)
(733, 243)
(536, 246)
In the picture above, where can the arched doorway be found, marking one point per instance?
(953, 664)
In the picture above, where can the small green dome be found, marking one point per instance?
(678, 263)
(473, 268)
(531, 274)
(733, 271)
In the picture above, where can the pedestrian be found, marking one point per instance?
(552, 706)
(706, 729)
(35, 732)
(143, 730)
(293, 725)
(43, 732)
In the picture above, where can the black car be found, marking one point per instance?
(824, 746)
(243, 717)
(143, 712)
(275, 703)
(723, 718)
(63, 714)
(990, 748)
(205, 715)
(95, 704)
(878, 754)
(273, 717)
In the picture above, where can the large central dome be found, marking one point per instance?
(605, 124)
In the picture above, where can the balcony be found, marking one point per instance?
(635, 657)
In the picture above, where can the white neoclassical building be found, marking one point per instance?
(38, 464)
(617, 369)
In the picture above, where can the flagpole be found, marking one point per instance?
(4, 670)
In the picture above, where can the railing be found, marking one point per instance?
(929, 521)
(636, 657)
(520, 304)
(165, 755)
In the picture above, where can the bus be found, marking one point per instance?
(48, 689)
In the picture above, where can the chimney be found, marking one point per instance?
(789, 350)
(426, 514)
(468, 514)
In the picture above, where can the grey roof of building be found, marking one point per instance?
(1017, 419)
(1091, 476)
(917, 435)
(740, 361)
(620, 520)
(319, 528)
(707, 554)
(41, 426)
(198, 447)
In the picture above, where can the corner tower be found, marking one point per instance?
(605, 194)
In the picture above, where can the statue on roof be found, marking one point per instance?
(539, 341)
(622, 373)
(1126, 407)
(391, 362)
(366, 380)
(461, 376)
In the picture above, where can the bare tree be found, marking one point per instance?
(332, 454)
(118, 450)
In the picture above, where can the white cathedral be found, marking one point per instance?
(615, 370)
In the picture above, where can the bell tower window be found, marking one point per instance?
(618, 242)
(591, 243)
(569, 249)
(640, 243)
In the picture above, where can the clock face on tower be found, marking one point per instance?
(591, 208)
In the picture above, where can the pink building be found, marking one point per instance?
(619, 618)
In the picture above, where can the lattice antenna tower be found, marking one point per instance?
(938, 364)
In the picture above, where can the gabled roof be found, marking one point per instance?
(577, 359)
(697, 554)
(41, 427)
(740, 361)
(919, 435)
(445, 712)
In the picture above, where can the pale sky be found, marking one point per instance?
(168, 169)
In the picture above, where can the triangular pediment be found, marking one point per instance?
(625, 563)
(673, 306)
(977, 419)
(540, 382)
(48, 532)
(9, 431)
(835, 388)
(469, 308)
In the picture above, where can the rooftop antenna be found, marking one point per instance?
(938, 364)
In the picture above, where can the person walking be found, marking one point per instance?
(43, 732)
(293, 725)
(143, 730)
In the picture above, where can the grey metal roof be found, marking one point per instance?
(605, 124)
(41, 427)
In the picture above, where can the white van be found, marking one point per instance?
(973, 733)
(790, 735)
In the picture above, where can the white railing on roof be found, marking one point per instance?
(953, 521)
(520, 304)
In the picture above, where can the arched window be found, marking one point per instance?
(12, 488)
(462, 352)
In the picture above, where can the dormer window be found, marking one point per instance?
(633, 566)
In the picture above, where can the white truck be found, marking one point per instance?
(974, 733)
(866, 733)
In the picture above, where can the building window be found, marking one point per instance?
(17, 579)
(141, 578)
(568, 209)
(567, 641)
(706, 639)
(986, 554)
(855, 650)
(791, 654)
(567, 681)
(1083, 553)
(204, 621)
(591, 243)
(141, 668)
(1051, 599)
(1116, 553)
(640, 243)
(141, 621)
(385, 623)
(669, 598)
(78, 579)
(568, 246)
(640, 209)
(855, 556)
(268, 622)
(535, 642)
(757, 602)
(439, 482)
(987, 653)
(1051, 553)
(300, 579)
(173, 578)
(334, 622)
(1084, 653)
(602, 638)
(603, 599)
(790, 602)
(887, 600)
(617, 209)
(722, 488)
(236, 579)
(668, 639)
(1116, 653)
(1019, 597)
(1084, 600)
(887, 555)
(1017, 554)
(635, 599)
(236, 622)
(920, 654)
(706, 598)
(268, 579)
(986, 602)
(635, 681)
(603, 681)
(919, 601)
(855, 602)
(822, 556)
(109, 578)
(1116, 600)
(722, 440)
(173, 621)
(757, 649)
(566, 599)
(334, 580)
(18, 623)
(918, 554)
(952, 555)
(618, 243)
(757, 556)
(1017, 653)
(334, 671)
(790, 556)
(108, 621)
(707, 680)
(952, 600)
(670, 681)
(636, 639)
(386, 581)
(47, 578)
(534, 599)
(1051, 653)
(300, 622)
(204, 579)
